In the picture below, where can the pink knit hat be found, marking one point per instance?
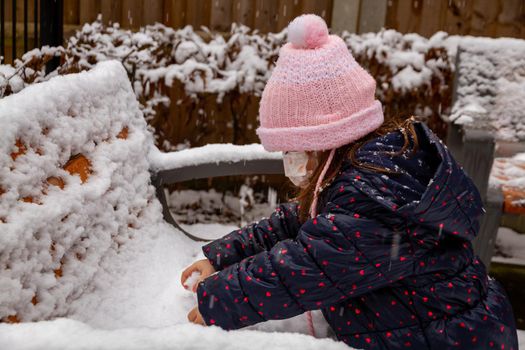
(318, 97)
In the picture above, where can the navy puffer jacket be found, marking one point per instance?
(388, 260)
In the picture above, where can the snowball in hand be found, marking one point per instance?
(192, 279)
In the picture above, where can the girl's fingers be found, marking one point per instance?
(187, 273)
(194, 316)
(191, 315)
(200, 320)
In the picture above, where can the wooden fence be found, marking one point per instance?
(265, 15)
(491, 18)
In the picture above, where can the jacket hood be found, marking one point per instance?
(430, 187)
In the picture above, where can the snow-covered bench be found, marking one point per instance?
(487, 119)
(212, 160)
(82, 235)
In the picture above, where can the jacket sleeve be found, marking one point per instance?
(254, 238)
(321, 267)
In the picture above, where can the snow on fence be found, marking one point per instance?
(203, 87)
(73, 187)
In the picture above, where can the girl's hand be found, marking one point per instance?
(203, 267)
(194, 316)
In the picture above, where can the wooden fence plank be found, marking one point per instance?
(198, 13)
(345, 15)
(484, 14)
(88, 11)
(391, 19)
(152, 12)
(458, 17)
(433, 13)
(243, 12)
(408, 14)
(510, 19)
(111, 11)
(175, 13)
(372, 14)
(287, 10)
(265, 15)
(131, 14)
(321, 8)
(71, 11)
(221, 15)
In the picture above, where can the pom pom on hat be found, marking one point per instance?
(308, 32)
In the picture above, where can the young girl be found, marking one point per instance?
(380, 236)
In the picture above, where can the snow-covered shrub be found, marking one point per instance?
(203, 87)
(414, 74)
(73, 187)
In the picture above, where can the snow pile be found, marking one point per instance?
(491, 86)
(508, 175)
(65, 334)
(508, 172)
(510, 247)
(73, 185)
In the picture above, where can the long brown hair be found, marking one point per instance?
(304, 196)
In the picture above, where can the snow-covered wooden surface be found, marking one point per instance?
(491, 86)
(511, 247)
(86, 245)
(212, 153)
(73, 174)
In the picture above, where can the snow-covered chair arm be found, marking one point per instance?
(212, 160)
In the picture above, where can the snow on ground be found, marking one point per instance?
(66, 334)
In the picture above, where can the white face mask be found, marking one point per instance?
(296, 167)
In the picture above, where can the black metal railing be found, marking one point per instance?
(47, 25)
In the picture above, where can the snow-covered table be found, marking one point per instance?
(86, 259)
(488, 109)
